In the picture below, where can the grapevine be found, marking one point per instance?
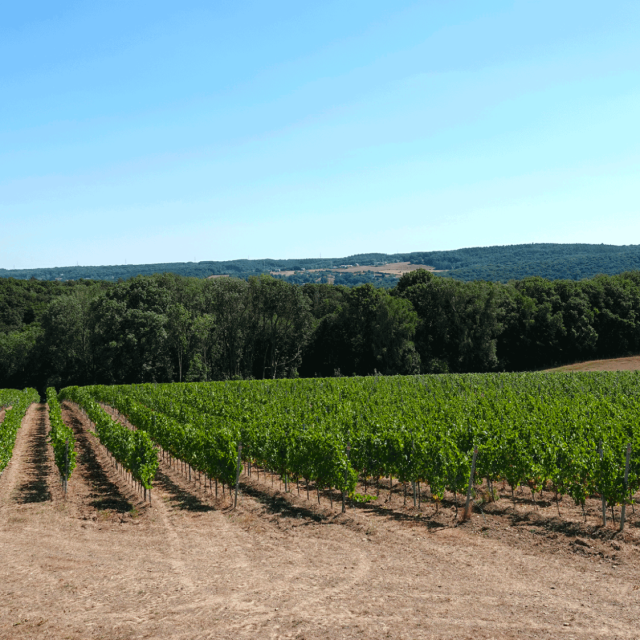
(62, 439)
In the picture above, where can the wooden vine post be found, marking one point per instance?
(626, 487)
(604, 500)
(238, 467)
(346, 478)
(66, 465)
(413, 482)
(467, 507)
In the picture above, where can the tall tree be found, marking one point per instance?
(281, 323)
(179, 330)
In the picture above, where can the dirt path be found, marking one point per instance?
(101, 564)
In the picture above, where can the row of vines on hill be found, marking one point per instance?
(19, 402)
(133, 450)
(62, 439)
(568, 431)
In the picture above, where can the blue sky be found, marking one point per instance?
(161, 131)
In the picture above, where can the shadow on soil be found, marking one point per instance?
(278, 505)
(180, 498)
(35, 488)
(276, 502)
(105, 494)
(446, 517)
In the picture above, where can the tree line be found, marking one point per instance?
(167, 328)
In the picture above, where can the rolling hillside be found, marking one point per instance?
(499, 263)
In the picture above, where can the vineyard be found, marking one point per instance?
(577, 435)
(324, 508)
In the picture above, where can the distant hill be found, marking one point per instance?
(499, 263)
(552, 261)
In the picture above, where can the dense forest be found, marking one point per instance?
(495, 264)
(171, 328)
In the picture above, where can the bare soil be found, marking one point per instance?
(101, 563)
(631, 363)
(392, 268)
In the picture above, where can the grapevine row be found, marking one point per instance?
(19, 402)
(206, 447)
(133, 450)
(62, 439)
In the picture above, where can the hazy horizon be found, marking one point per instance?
(277, 259)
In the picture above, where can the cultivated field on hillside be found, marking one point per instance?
(391, 268)
(579, 432)
(286, 562)
(631, 363)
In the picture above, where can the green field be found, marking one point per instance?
(567, 432)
